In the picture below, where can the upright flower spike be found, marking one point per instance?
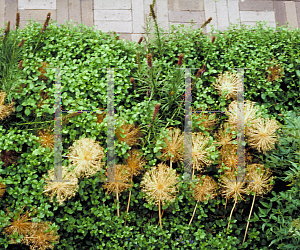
(228, 83)
(180, 59)
(174, 149)
(149, 60)
(18, 20)
(132, 82)
(160, 185)
(41, 237)
(46, 22)
(2, 189)
(141, 39)
(120, 184)
(63, 190)
(232, 188)
(259, 183)
(206, 22)
(213, 39)
(138, 60)
(152, 11)
(157, 106)
(204, 190)
(86, 155)
(21, 43)
(261, 135)
(20, 64)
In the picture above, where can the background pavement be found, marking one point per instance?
(127, 17)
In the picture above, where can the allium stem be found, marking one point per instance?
(193, 213)
(118, 212)
(231, 215)
(159, 214)
(249, 218)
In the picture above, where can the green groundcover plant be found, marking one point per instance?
(149, 208)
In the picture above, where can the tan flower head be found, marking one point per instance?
(160, 184)
(201, 151)
(8, 157)
(206, 186)
(2, 189)
(5, 110)
(86, 155)
(225, 138)
(130, 135)
(262, 135)
(261, 179)
(63, 190)
(207, 120)
(174, 146)
(231, 187)
(43, 71)
(121, 183)
(41, 237)
(228, 82)
(135, 163)
(46, 138)
(19, 223)
(251, 114)
(276, 71)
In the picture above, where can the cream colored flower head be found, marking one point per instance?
(259, 179)
(201, 151)
(121, 180)
(5, 110)
(206, 186)
(228, 83)
(160, 184)
(231, 187)
(135, 162)
(250, 112)
(46, 138)
(174, 146)
(225, 138)
(261, 135)
(130, 135)
(86, 155)
(63, 190)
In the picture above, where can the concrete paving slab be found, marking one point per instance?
(87, 12)
(11, 9)
(162, 14)
(186, 5)
(37, 4)
(257, 5)
(280, 14)
(37, 14)
(138, 20)
(113, 15)
(186, 16)
(62, 11)
(291, 15)
(112, 4)
(222, 15)
(75, 11)
(117, 26)
(2, 14)
(210, 11)
(252, 16)
(298, 13)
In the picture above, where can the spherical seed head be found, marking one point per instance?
(251, 113)
(206, 186)
(259, 179)
(201, 150)
(262, 135)
(63, 190)
(122, 174)
(206, 119)
(231, 187)
(225, 137)
(46, 138)
(160, 184)
(41, 236)
(131, 133)
(228, 83)
(86, 155)
(174, 146)
(5, 110)
(135, 162)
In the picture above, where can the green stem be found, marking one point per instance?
(172, 117)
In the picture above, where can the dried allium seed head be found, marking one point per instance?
(135, 162)
(5, 110)
(121, 180)
(206, 186)
(174, 146)
(259, 179)
(41, 237)
(228, 83)
(231, 187)
(86, 155)
(46, 138)
(130, 135)
(262, 134)
(63, 190)
(160, 184)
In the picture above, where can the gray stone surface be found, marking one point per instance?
(75, 11)
(87, 12)
(291, 15)
(280, 14)
(62, 11)
(186, 5)
(112, 15)
(257, 5)
(112, 4)
(2, 13)
(11, 9)
(37, 4)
